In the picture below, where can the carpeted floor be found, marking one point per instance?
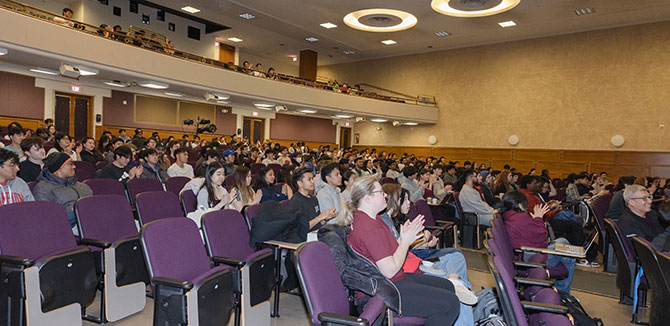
(595, 281)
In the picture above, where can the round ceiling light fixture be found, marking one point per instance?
(472, 8)
(380, 20)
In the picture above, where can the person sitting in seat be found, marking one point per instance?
(119, 169)
(229, 161)
(30, 169)
(638, 219)
(421, 295)
(89, 153)
(528, 229)
(329, 193)
(617, 204)
(151, 168)
(12, 189)
(212, 195)
(210, 156)
(265, 182)
(471, 200)
(306, 203)
(245, 194)
(63, 143)
(416, 188)
(16, 135)
(180, 167)
(392, 172)
(58, 184)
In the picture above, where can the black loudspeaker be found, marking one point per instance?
(239, 131)
(98, 118)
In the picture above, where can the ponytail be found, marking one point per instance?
(360, 188)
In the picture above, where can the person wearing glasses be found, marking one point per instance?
(638, 219)
(12, 188)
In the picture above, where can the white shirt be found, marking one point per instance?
(175, 171)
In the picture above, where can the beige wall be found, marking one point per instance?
(571, 91)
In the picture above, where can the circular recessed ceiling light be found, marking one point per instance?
(307, 111)
(264, 105)
(378, 120)
(472, 8)
(380, 20)
(344, 116)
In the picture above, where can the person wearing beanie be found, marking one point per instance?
(58, 183)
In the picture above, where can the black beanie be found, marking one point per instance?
(55, 161)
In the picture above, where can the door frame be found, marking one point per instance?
(89, 111)
(251, 125)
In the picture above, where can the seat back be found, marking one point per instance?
(188, 201)
(154, 205)
(35, 229)
(646, 252)
(624, 256)
(173, 248)
(276, 168)
(139, 185)
(176, 184)
(83, 174)
(226, 234)
(229, 182)
(509, 300)
(105, 217)
(413, 212)
(251, 213)
(106, 187)
(388, 180)
(459, 208)
(256, 167)
(84, 165)
(664, 262)
(320, 281)
(423, 209)
(101, 164)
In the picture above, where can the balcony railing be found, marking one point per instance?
(141, 38)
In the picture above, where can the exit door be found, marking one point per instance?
(345, 137)
(253, 129)
(73, 115)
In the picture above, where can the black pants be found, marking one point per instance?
(428, 297)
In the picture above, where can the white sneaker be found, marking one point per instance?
(464, 295)
(429, 268)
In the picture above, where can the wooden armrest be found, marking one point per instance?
(281, 244)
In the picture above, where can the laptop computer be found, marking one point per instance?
(578, 250)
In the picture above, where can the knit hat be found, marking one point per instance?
(484, 174)
(56, 161)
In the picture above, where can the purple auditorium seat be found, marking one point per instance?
(229, 182)
(183, 278)
(101, 165)
(84, 170)
(154, 205)
(176, 184)
(250, 213)
(326, 297)
(54, 277)
(107, 225)
(431, 224)
(140, 185)
(388, 180)
(256, 167)
(599, 207)
(227, 242)
(659, 312)
(31, 185)
(276, 168)
(626, 265)
(106, 187)
(188, 201)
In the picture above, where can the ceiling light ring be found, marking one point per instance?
(407, 20)
(443, 7)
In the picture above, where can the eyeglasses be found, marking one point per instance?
(377, 191)
(10, 164)
(649, 198)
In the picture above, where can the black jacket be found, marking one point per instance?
(357, 272)
(632, 225)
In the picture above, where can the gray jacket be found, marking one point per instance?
(329, 197)
(472, 202)
(62, 191)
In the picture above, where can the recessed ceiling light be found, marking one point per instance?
(153, 84)
(307, 111)
(389, 42)
(223, 102)
(311, 39)
(344, 116)
(190, 9)
(264, 105)
(86, 71)
(347, 52)
(3, 51)
(378, 120)
(174, 94)
(44, 71)
(358, 19)
(441, 34)
(508, 23)
(584, 11)
(115, 83)
(458, 8)
(410, 123)
(234, 39)
(247, 16)
(328, 25)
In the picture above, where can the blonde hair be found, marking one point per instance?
(360, 188)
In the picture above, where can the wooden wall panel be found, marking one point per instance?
(310, 144)
(147, 132)
(560, 163)
(25, 123)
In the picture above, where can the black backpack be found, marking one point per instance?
(577, 311)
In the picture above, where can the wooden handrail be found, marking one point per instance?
(147, 44)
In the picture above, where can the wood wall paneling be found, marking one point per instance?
(25, 123)
(162, 133)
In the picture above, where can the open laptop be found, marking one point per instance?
(578, 250)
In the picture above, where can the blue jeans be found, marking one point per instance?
(453, 262)
(553, 260)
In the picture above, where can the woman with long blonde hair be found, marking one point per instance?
(245, 194)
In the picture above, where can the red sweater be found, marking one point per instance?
(534, 199)
(525, 230)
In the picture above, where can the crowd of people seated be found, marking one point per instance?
(367, 191)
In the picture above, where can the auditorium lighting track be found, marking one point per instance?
(190, 9)
(44, 71)
(3, 51)
(152, 84)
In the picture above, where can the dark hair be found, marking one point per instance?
(67, 10)
(525, 181)
(57, 138)
(180, 150)
(7, 155)
(28, 143)
(506, 167)
(346, 175)
(116, 139)
(260, 183)
(85, 139)
(211, 153)
(625, 180)
(146, 152)
(409, 171)
(298, 174)
(285, 175)
(170, 145)
(545, 172)
(464, 177)
(123, 151)
(512, 199)
(101, 143)
(211, 193)
(15, 131)
(328, 169)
